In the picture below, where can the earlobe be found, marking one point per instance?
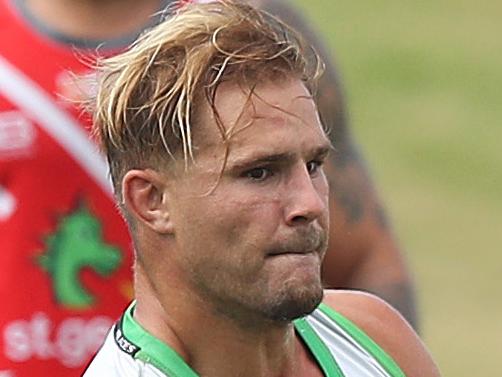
(146, 199)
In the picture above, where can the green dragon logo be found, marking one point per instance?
(77, 243)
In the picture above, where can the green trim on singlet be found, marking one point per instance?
(155, 352)
(152, 350)
(317, 348)
(365, 341)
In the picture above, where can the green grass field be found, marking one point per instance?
(424, 85)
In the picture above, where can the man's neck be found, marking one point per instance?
(214, 345)
(93, 19)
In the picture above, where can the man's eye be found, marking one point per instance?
(313, 166)
(258, 174)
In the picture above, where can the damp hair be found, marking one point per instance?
(146, 105)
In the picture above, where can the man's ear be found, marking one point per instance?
(146, 199)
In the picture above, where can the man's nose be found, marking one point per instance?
(306, 199)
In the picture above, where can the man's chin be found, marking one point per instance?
(293, 305)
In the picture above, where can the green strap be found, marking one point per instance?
(152, 350)
(365, 341)
(318, 348)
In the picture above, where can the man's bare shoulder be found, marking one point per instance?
(386, 327)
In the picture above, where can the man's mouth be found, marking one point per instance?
(294, 252)
(314, 243)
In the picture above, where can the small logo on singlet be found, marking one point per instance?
(123, 343)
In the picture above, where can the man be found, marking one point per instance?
(216, 151)
(65, 250)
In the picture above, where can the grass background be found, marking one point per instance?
(424, 86)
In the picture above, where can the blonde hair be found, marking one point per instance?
(145, 110)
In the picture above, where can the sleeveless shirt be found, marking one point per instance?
(340, 348)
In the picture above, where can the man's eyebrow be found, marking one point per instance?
(323, 151)
(252, 160)
(256, 160)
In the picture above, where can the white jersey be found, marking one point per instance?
(340, 348)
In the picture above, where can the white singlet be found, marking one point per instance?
(340, 348)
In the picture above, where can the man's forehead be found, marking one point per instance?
(275, 122)
(264, 100)
(239, 112)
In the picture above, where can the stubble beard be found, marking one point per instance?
(264, 309)
(295, 299)
(293, 302)
(254, 304)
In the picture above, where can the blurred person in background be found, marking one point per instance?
(66, 254)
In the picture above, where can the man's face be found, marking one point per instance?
(250, 235)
